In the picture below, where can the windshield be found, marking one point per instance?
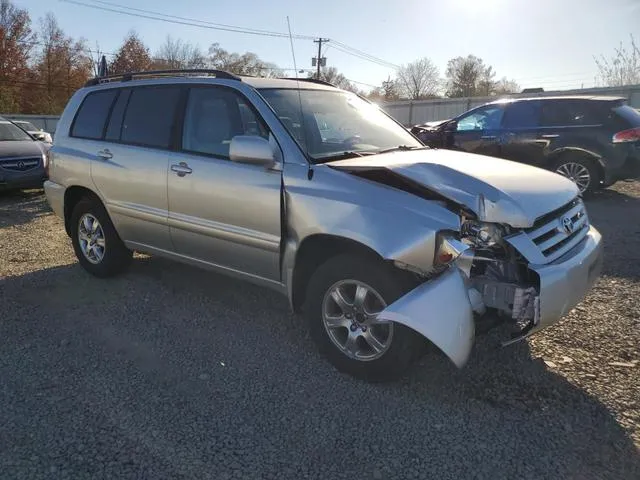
(9, 132)
(330, 123)
(29, 127)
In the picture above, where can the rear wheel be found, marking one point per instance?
(580, 170)
(95, 241)
(343, 298)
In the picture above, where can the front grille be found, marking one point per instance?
(20, 164)
(557, 232)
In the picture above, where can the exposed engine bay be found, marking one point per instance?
(498, 278)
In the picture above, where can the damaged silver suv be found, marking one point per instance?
(384, 244)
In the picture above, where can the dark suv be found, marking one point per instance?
(594, 141)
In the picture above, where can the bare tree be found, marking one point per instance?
(177, 54)
(418, 80)
(505, 86)
(16, 44)
(241, 64)
(469, 76)
(332, 75)
(623, 68)
(132, 56)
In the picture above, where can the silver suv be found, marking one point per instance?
(385, 245)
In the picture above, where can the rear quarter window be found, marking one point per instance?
(92, 115)
(628, 116)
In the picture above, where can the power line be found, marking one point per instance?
(153, 15)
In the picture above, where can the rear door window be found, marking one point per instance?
(522, 115)
(117, 115)
(92, 115)
(566, 113)
(150, 116)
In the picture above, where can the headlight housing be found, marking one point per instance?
(481, 234)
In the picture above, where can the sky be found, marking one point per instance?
(542, 43)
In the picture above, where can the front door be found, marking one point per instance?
(222, 213)
(477, 131)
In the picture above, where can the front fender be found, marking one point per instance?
(440, 311)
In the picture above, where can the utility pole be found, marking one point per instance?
(319, 61)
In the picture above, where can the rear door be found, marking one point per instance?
(521, 139)
(223, 213)
(477, 131)
(130, 163)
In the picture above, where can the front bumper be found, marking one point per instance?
(565, 282)
(10, 180)
(55, 197)
(441, 309)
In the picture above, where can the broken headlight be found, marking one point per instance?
(481, 234)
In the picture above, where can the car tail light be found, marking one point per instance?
(631, 135)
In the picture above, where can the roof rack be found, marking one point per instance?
(126, 77)
(312, 80)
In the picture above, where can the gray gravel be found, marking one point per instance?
(170, 372)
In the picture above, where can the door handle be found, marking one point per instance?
(181, 169)
(550, 135)
(488, 137)
(105, 154)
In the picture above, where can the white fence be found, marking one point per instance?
(419, 111)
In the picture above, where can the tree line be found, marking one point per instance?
(41, 67)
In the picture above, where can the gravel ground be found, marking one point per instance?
(171, 372)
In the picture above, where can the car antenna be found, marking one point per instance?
(304, 130)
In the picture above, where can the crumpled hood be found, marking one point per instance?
(20, 148)
(496, 190)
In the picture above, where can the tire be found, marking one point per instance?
(115, 257)
(578, 165)
(383, 282)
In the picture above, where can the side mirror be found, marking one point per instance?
(251, 149)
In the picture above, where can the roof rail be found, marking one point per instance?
(312, 80)
(126, 77)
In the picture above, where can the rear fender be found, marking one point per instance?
(441, 312)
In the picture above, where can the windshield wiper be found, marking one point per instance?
(402, 148)
(343, 155)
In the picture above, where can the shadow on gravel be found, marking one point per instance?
(177, 372)
(615, 215)
(22, 206)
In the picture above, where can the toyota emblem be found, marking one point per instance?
(567, 225)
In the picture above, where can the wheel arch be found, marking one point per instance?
(590, 155)
(72, 196)
(312, 252)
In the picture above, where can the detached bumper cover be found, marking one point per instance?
(440, 311)
(55, 197)
(565, 282)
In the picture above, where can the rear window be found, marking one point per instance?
(629, 115)
(92, 115)
(150, 115)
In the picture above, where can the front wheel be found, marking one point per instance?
(343, 298)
